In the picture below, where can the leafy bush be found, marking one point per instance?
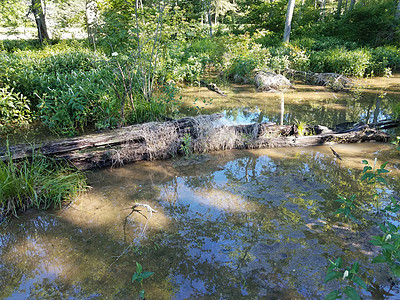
(39, 182)
(68, 85)
(342, 61)
(288, 56)
(383, 59)
(15, 110)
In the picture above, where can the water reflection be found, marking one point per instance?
(372, 101)
(238, 224)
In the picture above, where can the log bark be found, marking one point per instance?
(335, 81)
(158, 140)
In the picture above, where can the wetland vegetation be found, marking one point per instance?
(237, 224)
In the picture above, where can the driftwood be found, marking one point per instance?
(213, 87)
(152, 141)
(335, 81)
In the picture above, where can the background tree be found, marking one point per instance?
(288, 23)
(39, 12)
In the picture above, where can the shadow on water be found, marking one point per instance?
(236, 224)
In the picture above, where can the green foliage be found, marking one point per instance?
(347, 205)
(15, 110)
(372, 177)
(342, 61)
(390, 247)
(186, 144)
(38, 182)
(139, 276)
(67, 84)
(384, 59)
(336, 271)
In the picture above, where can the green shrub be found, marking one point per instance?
(342, 61)
(39, 182)
(15, 110)
(288, 56)
(69, 86)
(384, 59)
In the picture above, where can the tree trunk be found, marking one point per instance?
(397, 15)
(339, 8)
(209, 18)
(352, 2)
(91, 21)
(152, 141)
(323, 10)
(40, 19)
(288, 23)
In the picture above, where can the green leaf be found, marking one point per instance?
(332, 275)
(382, 171)
(138, 268)
(332, 295)
(379, 259)
(366, 169)
(388, 247)
(392, 227)
(351, 292)
(136, 277)
(383, 227)
(376, 242)
(396, 271)
(146, 274)
(360, 282)
(382, 180)
(384, 165)
(355, 267)
(365, 162)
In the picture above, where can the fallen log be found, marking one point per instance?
(161, 140)
(335, 81)
(213, 87)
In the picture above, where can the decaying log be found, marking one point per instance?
(158, 140)
(335, 81)
(271, 82)
(213, 87)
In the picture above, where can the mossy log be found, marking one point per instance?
(161, 140)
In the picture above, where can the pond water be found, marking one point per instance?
(228, 225)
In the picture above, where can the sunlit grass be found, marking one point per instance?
(39, 182)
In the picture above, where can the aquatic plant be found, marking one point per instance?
(372, 177)
(38, 182)
(139, 276)
(346, 207)
(390, 247)
(337, 271)
(186, 144)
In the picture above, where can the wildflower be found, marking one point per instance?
(114, 54)
(388, 237)
(345, 274)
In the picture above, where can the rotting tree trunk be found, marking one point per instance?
(158, 140)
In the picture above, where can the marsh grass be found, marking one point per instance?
(38, 182)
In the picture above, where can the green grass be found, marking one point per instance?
(38, 182)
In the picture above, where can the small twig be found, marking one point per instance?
(150, 211)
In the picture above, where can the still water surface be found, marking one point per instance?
(229, 225)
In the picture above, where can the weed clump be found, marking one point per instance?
(39, 182)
